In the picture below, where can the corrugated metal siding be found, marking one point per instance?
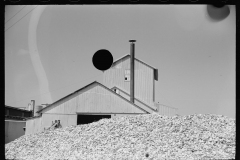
(143, 79)
(99, 99)
(36, 125)
(30, 126)
(65, 119)
(94, 99)
(138, 103)
(67, 106)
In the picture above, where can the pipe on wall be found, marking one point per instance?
(132, 57)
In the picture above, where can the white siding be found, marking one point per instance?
(99, 99)
(150, 108)
(33, 125)
(36, 125)
(93, 99)
(144, 79)
(166, 110)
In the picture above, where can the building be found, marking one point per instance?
(15, 122)
(14, 113)
(115, 97)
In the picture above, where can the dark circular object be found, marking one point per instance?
(102, 59)
(147, 155)
(218, 12)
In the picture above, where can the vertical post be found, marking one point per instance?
(132, 57)
(33, 106)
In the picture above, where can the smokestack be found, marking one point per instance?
(132, 57)
(29, 106)
(33, 106)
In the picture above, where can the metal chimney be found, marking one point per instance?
(33, 106)
(132, 57)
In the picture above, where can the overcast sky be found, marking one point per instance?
(49, 49)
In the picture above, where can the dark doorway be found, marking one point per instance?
(85, 119)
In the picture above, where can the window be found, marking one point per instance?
(116, 90)
(127, 75)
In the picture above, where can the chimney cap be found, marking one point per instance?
(132, 40)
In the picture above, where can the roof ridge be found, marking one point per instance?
(134, 58)
(86, 87)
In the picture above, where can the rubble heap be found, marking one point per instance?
(150, 136)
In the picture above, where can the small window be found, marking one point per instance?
(116, 90)
(127, 75)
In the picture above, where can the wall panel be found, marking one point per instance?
(143, 79)
(29, 126)
(72, 120)
(99, 99)
(13, 130)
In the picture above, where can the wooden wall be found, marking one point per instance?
(93, 99)
(99, 99)
(144, 79)
(65, 119)
(149, 108)
(90, 100)
(36, 125)
(33, 125)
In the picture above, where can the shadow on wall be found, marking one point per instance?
(13, 130)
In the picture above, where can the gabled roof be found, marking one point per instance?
(95, 82)
(128, 56)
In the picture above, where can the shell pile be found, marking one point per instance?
(151, 136)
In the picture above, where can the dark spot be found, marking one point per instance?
(218, 11)
(102, 59)
(147, 155)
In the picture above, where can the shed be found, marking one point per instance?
(15, 122)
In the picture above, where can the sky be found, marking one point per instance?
(49, 49)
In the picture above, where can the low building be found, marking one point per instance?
(15, 122)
